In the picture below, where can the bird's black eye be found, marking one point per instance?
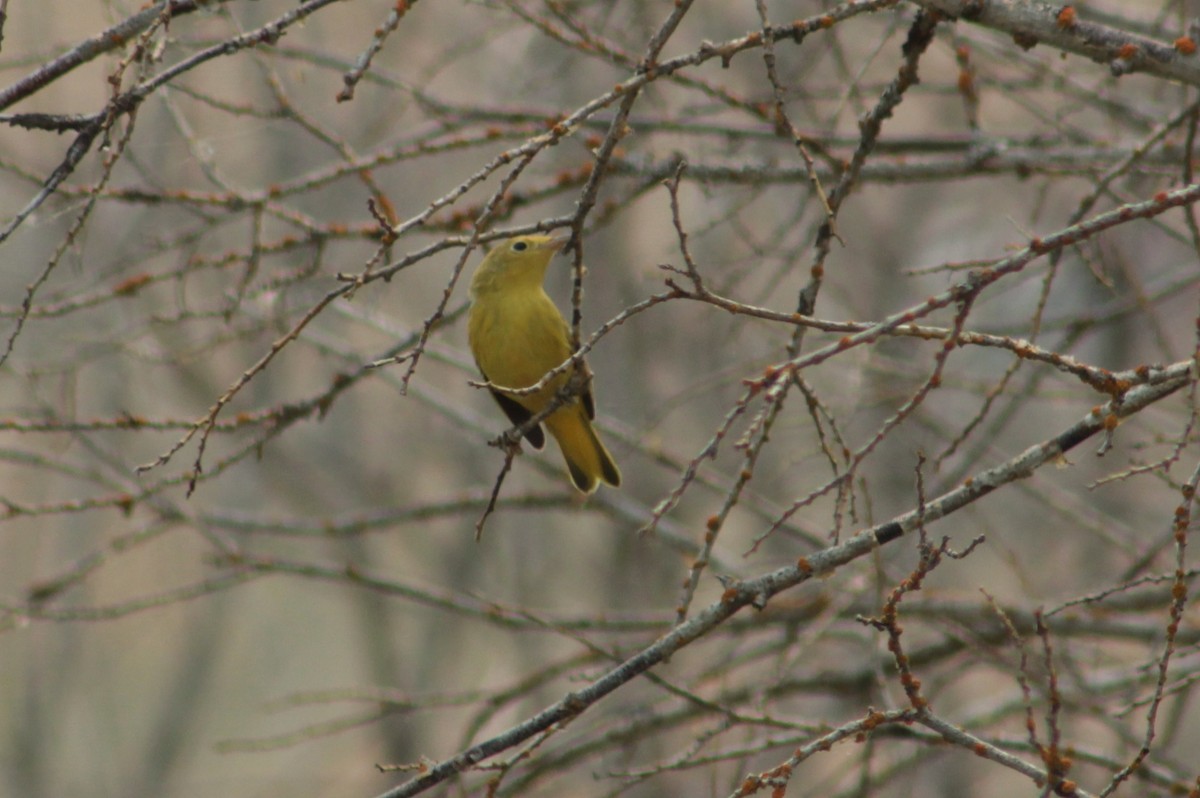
(520, 246)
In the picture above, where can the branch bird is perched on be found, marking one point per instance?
(517, 335)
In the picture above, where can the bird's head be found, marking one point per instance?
(518, 262)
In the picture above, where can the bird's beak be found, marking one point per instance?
(556, 243)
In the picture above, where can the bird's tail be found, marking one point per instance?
(588, 462)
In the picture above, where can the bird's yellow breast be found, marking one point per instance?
(516, 337)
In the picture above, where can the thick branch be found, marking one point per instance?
(1059, 26)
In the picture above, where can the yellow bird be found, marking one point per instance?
(517, 335)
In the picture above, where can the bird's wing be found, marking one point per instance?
(518, 415)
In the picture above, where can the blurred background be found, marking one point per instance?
(236, 560)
